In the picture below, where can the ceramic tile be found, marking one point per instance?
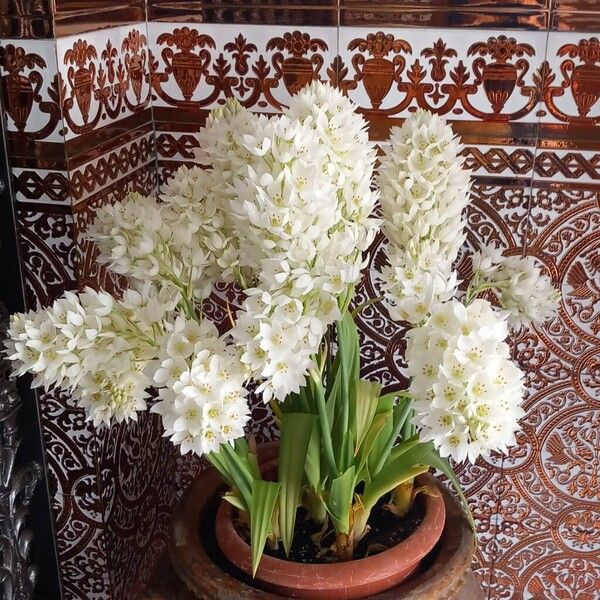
(30, 90)
(105, 74)
(41, 186)
(47, 253)
(465, 74)
(571, 79)
(106, 170)
(196, 66)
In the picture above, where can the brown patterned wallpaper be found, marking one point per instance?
(100, 102)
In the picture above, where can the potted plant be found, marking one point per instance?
(285, 209)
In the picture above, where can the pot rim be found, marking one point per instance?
(400, 557)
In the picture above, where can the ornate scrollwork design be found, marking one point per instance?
(17, 483)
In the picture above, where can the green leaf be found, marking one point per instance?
(441, 464)
(264, 497)
(402, 447)
(243, 449)
(348, 354)
(365, 399)
(296, 430)
(339, 501)
(312, 466)
(371, 437)
(239, 472)
(385, 444)
(407, 465)
(324, 426)
(236, 501)
(218, 462)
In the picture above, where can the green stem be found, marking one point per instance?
(474, 291)
(274, 404)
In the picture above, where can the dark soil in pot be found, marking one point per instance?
(386, 530)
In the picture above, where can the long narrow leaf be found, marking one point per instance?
(387, 481)
(296, 429)
(238, 471)
(324, 425)
(349, 353)
(365, 400)
(441, 464)
(217, 461)
(339, 501)
(401, 412)
(402, 448)
(312, 466)
(264, 497)
(384, 405)
(243, 449)
(371, 437)
(407, 465)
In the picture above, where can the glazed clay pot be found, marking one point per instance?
(343, 580)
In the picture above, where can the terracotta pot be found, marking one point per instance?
(442, 575)
(337, 581)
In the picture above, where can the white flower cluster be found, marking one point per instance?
(522, 289)
(298, 190)
(468, 391)
(424, 190)
(412, 285)
(99, 348)
(183, 240)
(202, 398)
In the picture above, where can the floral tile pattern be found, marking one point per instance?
(104, 77)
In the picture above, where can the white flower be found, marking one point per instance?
(413, 285)
(207, 405)
(486, 260)
(522, 289)
(298, 187)
(423, 193)
(424, 188)
(99, 348)
(468, 392)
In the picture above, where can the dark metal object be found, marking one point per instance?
(17, 483)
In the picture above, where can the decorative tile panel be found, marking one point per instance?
(104, 75)
(200, 65)
(570, 78)
(91, 177)
(30, 89)
(30, 19)
(41, 186)
(526, 103)
(463, 74)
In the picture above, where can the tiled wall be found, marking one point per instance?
(94, 112)
(80, 133)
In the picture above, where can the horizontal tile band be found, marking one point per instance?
(550, 135)
(96, 141)
(27, 153)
